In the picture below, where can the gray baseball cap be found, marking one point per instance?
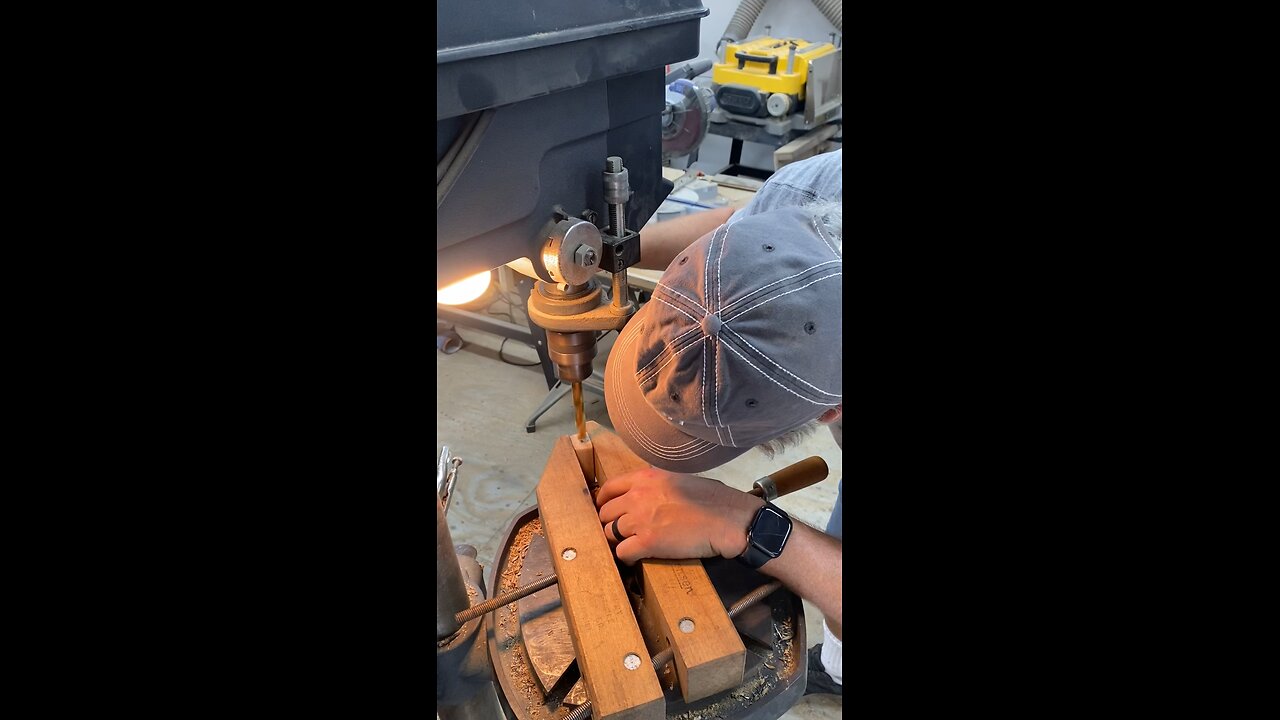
(740, 343)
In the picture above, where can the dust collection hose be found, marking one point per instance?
(749, 10)
(833, 10)
(743, 19)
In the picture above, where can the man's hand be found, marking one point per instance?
(668, 515)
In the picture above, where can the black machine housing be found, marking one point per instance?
(569, 84)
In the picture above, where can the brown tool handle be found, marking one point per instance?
(795, 477)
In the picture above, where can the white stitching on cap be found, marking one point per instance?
(640, 433)
(816, 223)
(627, 411)
(668, 362)
(704, 387)
(676, 340)
(775, 382)
(682, 452)
(775, 297)
(690, 449)
(719, 303)
(775, 282)
(706, 273)
(682, 312)
(670, 289)
(715, 367)
(687, 451)
(651, 446)
(766, 357)
(719, 285)
(700, 447)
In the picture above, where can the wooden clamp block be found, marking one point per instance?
(709, 655)
(601, 623)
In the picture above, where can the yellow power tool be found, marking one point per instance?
(766, 76)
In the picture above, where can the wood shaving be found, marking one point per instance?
(507, 633)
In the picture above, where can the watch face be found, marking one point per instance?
(770, 531)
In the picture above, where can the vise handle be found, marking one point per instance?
(791, 478)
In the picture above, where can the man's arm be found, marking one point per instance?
(661, 242)
(811, 565)
(815, 178)
(668, 515)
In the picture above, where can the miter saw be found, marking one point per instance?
(687, 113)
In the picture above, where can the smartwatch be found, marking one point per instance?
(766, 536)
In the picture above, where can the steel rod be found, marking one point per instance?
(479, 609)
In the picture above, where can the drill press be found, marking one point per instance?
(571, 309)
(528, 106)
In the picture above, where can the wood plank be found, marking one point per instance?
(601, 623)
(710, 657)
(586, 458)
(737, 181)
(805, 146)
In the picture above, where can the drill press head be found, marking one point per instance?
(571, 256)
(570, 309)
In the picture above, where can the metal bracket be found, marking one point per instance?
(620, 253)
(824, 89)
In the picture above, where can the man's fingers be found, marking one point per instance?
(612, 489)
(614, 509)
(632, 549)
(613, 531)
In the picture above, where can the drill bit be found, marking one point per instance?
(577, 412)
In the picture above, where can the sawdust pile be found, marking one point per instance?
(508, 630)
(515, 558)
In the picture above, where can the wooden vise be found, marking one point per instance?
(680, 608)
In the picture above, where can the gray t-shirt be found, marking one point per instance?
(816, 179)
(813, 180)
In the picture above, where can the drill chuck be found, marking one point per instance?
(572, 353)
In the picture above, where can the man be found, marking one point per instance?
(740, 347)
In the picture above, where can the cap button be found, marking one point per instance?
(711, 324)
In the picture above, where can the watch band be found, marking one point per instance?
(755, 555)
